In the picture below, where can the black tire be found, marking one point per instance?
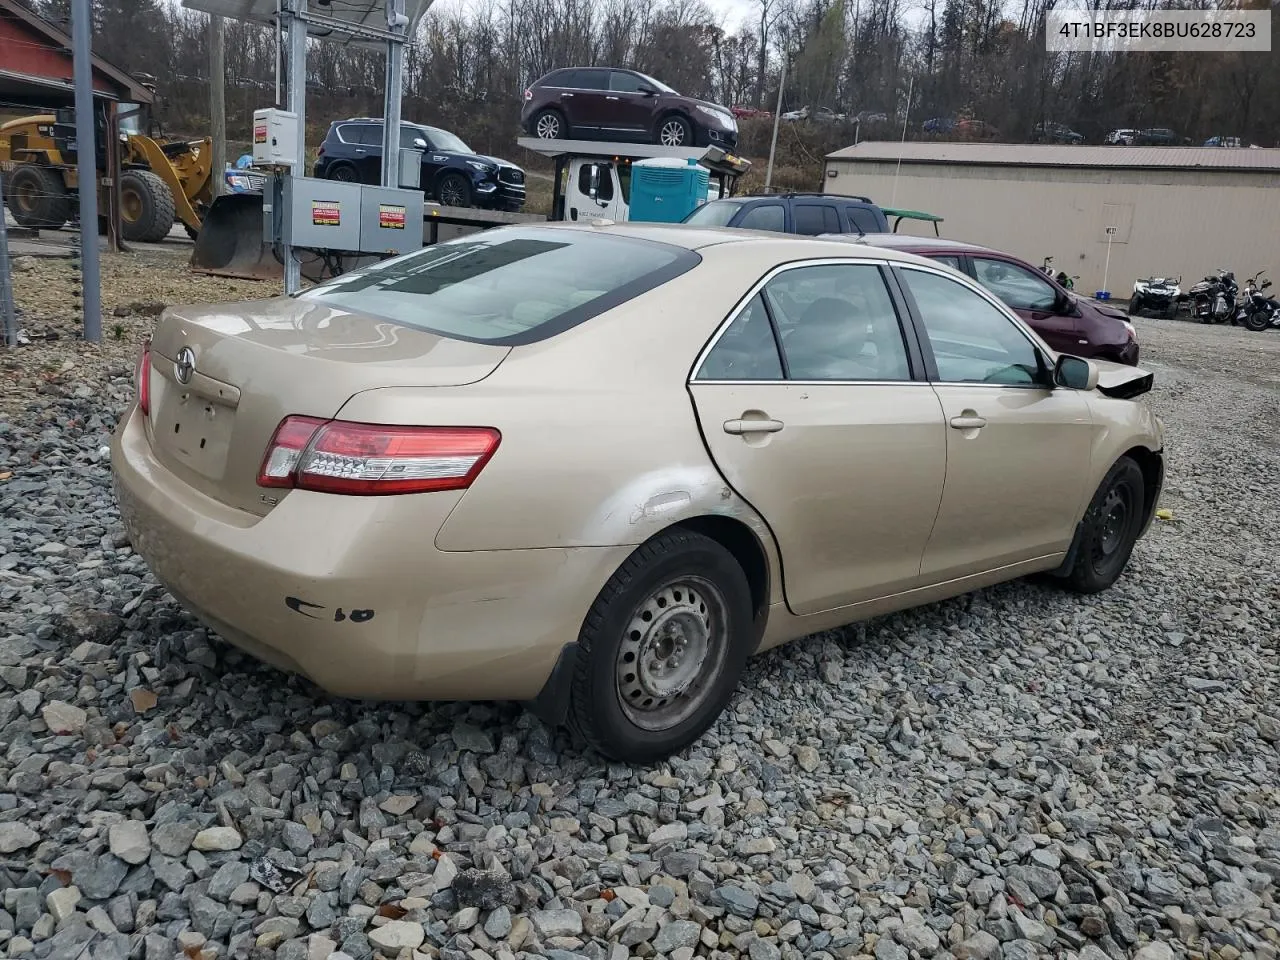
(1256, 320)
(1109, 530)
(1135, 305)
(674, 131)
(37, 197)
(146, 207)
(704, 600)
(453, 190)
(549, 125)
(343, 172)
(1171, 311)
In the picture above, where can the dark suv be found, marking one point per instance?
(1066, 321)
(452, 173)
(805, 213)
(609, 104)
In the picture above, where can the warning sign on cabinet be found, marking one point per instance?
(390, 216)
(259, 133)
(326, 213)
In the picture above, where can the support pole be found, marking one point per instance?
(7, 310)
(217, 103)
(297, 105)
(113, 178)
(86, 154)
(394, 92)
(777, 118)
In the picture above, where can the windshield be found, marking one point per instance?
(444, 140)
(509, 286)
(717, 213)
(658, 84)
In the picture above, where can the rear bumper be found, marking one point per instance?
(345, 592)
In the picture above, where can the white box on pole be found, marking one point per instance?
(275, 137)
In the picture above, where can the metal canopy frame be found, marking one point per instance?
(299, 21)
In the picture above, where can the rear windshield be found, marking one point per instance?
(507, 286)
(717, 213)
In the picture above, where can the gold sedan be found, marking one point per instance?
(595, 467)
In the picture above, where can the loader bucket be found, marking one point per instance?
(230, 242)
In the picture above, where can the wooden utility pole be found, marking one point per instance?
(217, 103)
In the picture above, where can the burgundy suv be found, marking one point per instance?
(605, 103)
(1066, 321)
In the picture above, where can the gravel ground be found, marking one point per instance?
(1010, 774)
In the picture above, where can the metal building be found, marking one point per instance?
(1167, 210)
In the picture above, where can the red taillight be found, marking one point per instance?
(143, 378)
(320, 152)
(370, 459)
(528, 94)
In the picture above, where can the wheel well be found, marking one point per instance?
(1152, 466)
(741, 541)
(674, 112)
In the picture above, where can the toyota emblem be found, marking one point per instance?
(185, 365)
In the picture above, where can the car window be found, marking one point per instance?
(361, 133)
(1017, 286)
(409, 134)
(591, 79)
(862, 220)
(812, 219)
(717, 213)
(837, 322)
(972, 340)
(509, 287)
(946, 261)
(746, 350)
(624, 181)
(766, 216)
(604, 186)
(560, 78)
(625, 82)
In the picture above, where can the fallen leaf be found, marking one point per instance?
(64, 876)
(607, 895)
(143, 699)
(436, 854)
(391, 911)
(1164, 513)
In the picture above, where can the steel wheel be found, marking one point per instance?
(674, 643)
(1110, 528)
(1113, 523)
(674, 132)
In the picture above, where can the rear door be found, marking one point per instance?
(587, 104)
(1018, 450)
(1033, 297)
(813, 408)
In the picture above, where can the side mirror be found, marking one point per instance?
(647, 90)
(1075, 373)
(419, 144)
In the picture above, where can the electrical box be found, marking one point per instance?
(410, 168)
(666, 190)
(275, 137)
(321, 213)
(390, 220)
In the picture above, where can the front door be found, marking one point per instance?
(1034, 298)
(1018, 449)
(815, 416)
(632, 111)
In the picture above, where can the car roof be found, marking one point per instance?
(901, 241)
(701, 238)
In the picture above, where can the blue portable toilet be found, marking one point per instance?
(666, 189)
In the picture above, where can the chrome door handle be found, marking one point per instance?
(564, 95)
(972, 422)
(611, 98)
(361, 150)
(740, 427)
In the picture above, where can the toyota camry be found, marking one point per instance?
(596, 466)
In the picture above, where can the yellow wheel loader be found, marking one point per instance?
(161, 180)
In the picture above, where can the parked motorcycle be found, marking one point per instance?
(1257, 310)
(1157, 294)
(1213, 299)
(1064, 281)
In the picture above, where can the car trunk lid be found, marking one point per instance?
(222, 378)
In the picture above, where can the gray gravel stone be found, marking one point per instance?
(129, 841)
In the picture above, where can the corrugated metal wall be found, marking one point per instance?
(1168, 222)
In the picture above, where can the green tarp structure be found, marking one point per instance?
(899, 215)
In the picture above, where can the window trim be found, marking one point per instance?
(1044, 354)
(906, 326)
